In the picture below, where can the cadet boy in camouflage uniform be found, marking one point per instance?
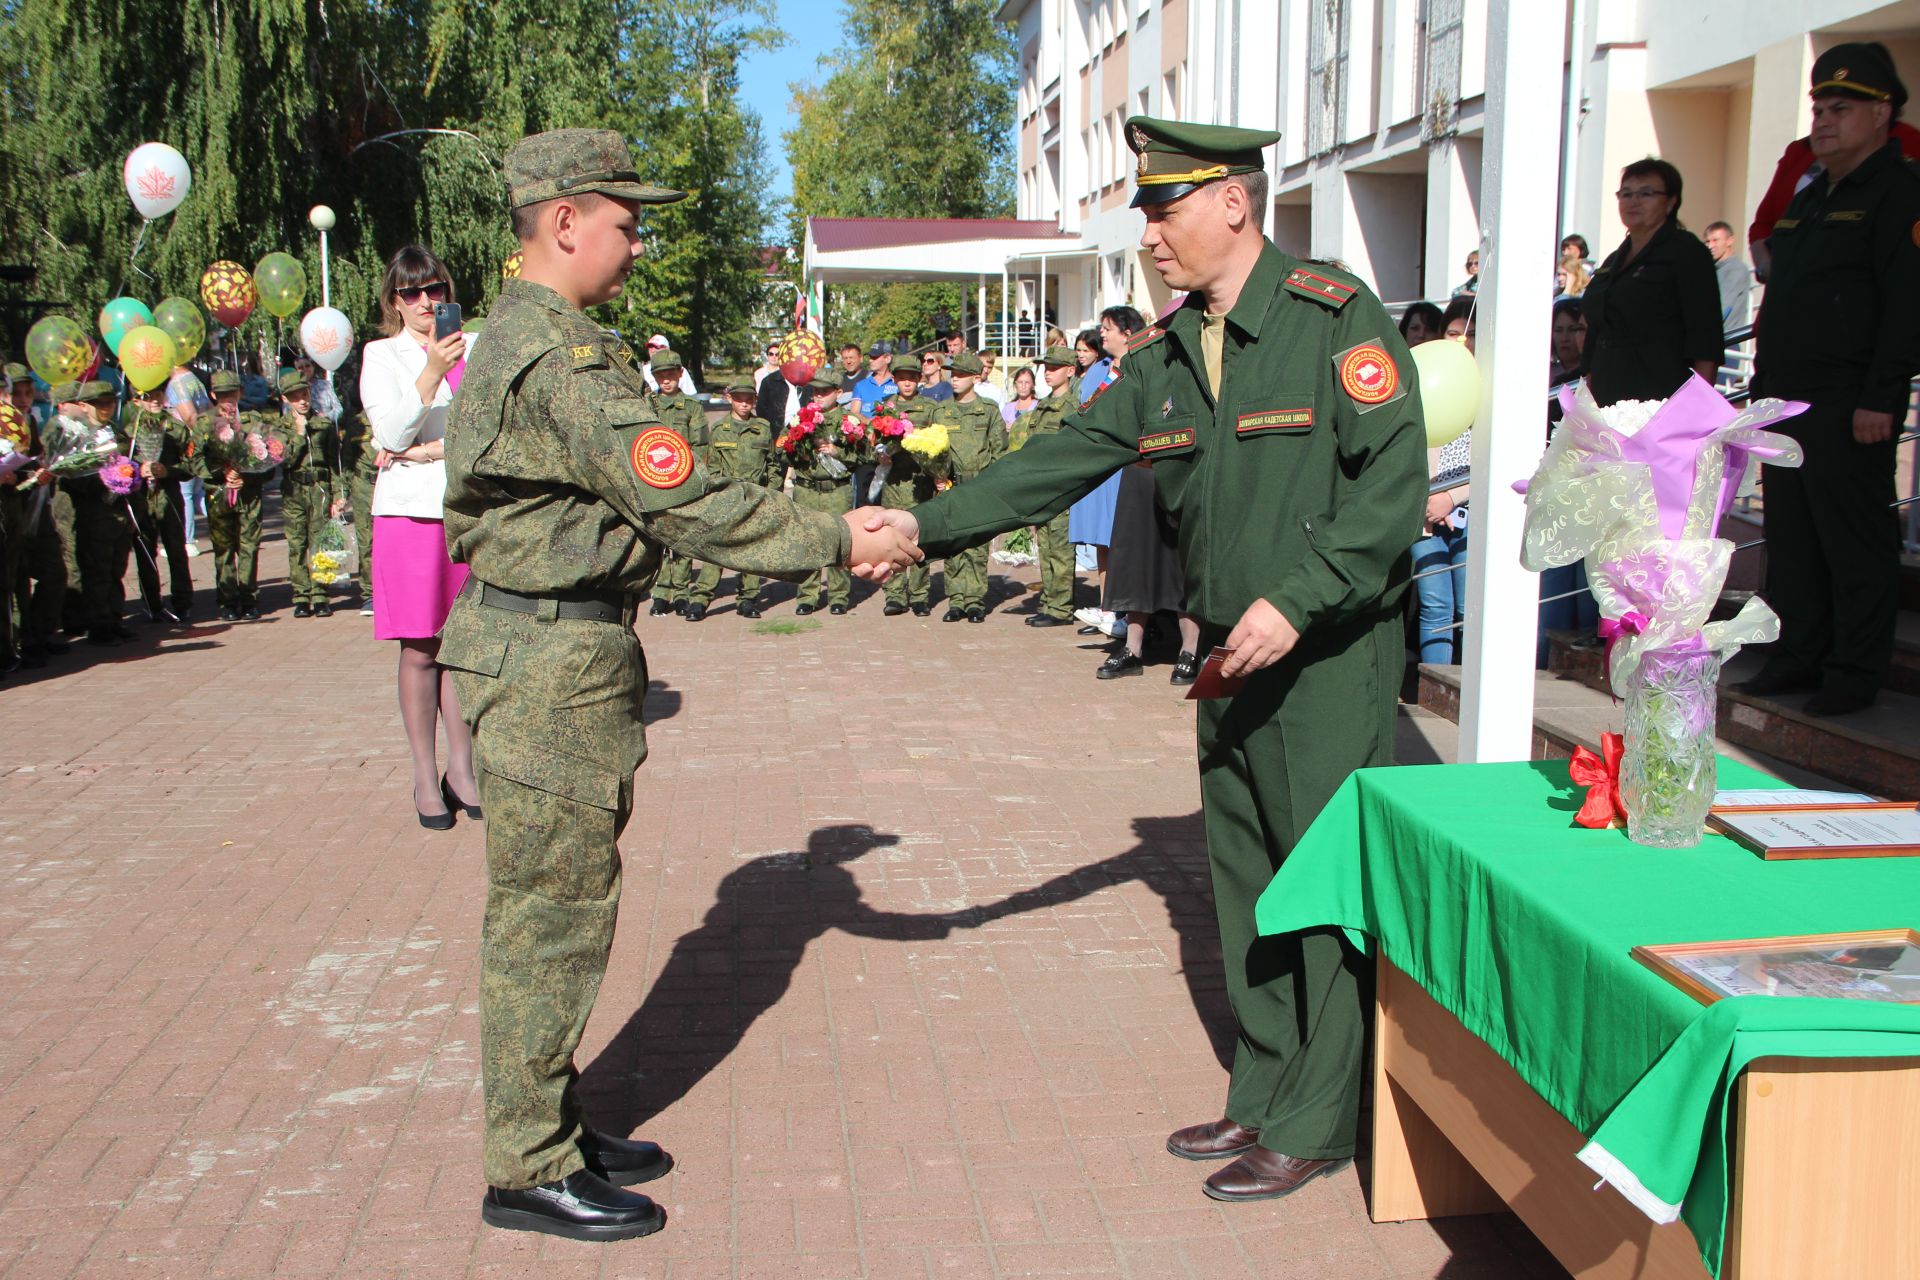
(1279, 410)
(159, 513)
(737, 449)
(233, 527)
(306, 493)
(102, 523)
(1051, 546)
(41, 583)
(562, 487)
(816, 488)
(359, 464)
(979, 435)
(908, 484)
(684, 414)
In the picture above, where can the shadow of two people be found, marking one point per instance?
(738, 963)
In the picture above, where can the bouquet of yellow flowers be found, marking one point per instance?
(926, 443)
(331, 551)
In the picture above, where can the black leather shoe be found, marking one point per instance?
(252, 613)
(922, 610)
(659, 607)
(102, 635)
(581, 1206)
(1186, 668)
(1838, 702)
(122, 631)
(748, 610)
(1267, 1175)
(301, 611)
(952, 615)
(1048, 620)
(837, 610)
(623, 1161)
(227, 614)
(976, 614)
(893, 610)
(1216, 1140)
(802, 610)
(1090, 631)
(694, 612)
(1120, 664)
(323, 610)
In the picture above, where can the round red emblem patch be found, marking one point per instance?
(661, 458)
(1368, 375)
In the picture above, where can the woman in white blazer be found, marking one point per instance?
(407, 380)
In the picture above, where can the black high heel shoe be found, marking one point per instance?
(439, 821)
(454, 802)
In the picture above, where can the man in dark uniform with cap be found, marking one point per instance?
(562, 487)
(1278, 407)
(1839, 330)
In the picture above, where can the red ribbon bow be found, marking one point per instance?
(1601, 777)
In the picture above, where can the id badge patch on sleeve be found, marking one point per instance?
(1368, 376)
(661, 458)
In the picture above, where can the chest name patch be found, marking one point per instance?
(1786, 224)
(1368, 375)
(661, 458)
(1273, 419)
(1847, 215)
(1163, 441)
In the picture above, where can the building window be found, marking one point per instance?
(1328, 33)
(1170, 85)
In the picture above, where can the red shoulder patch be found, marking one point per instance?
(661, 458)
(1368, 374)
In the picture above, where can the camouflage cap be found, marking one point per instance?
(967, 363)
(18, 373)
(566, 162)
(1058, 357)
(224, 381)
(905, 363)
(292, 382)
(820, 383)
(745, 389)
(1177, 158)
(64, 392)
(96, 389)
(666, 358)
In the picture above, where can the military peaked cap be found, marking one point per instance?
(967, 363)
(567, 162)
(1861, 70)
(1058, 357)
(905, 362)
(225, 380)
(1176, 158)
(665, 358)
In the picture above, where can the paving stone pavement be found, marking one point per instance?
(915, 971)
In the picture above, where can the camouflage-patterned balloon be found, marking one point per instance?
(510, 269)
(182, 322)
(14, 430)
(58, 349)
(228, 291)
(801, 355)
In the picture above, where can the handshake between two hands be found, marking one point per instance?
(885, 541)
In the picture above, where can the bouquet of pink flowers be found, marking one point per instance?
(120, 474)
(246, 450)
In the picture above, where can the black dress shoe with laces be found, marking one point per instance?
(1186, 668)
(581, 1206)
(922, 610)
(624, 1162)
(976, 614)
(802, 610)
(837, 610)
(323, 610)
(1048, 620)
(694, 612)
(301, 611)
(748, 610)
(952, 615)
(893, 610)
(659, 607)
(1120, 664)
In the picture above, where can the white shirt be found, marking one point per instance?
(389, 370)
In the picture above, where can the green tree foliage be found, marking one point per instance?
(913, 120)
(396, 115)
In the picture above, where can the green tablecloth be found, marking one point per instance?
(1474, 881)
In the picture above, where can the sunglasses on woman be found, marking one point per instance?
(435, 292)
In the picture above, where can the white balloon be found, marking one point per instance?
(327, 335)
(157, 179)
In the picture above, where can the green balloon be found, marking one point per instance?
(282, 283)
(58, 349)
(119, 316)
(180, 320)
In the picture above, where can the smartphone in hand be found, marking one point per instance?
(446, 319)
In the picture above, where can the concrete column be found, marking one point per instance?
(1453, 221)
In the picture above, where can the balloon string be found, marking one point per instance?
(140, 541)
(137, 242)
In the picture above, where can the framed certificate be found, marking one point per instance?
(1888, 829)
(1882, 965)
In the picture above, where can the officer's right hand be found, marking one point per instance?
(881, 547)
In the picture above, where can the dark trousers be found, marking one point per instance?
(1833, 555)
(159, 522)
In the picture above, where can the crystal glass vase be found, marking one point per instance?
(1667, 776)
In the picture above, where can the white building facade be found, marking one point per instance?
(1380, 108)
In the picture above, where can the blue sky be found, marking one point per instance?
(813, 27)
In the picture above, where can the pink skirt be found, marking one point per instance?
(414, 582)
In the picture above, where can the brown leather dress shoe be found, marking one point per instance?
(1217, 1140)
(1267, 1175)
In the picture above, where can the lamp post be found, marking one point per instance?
(323, 221)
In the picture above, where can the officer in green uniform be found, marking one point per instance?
(684, 414)
(359, 466)
(234, 505)
(907, 484)
(102, 524)
(1840, 331)
(737, 449)
(816, 487)
(160, 443)
(1053, 549)
(979, 435)
(562, 487)
(306, 493)
(1278, 407)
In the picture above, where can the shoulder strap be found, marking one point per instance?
(1328, 287)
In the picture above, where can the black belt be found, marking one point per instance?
(586, 606)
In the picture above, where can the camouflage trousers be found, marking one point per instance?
(834, 500)
(360, 498)
(303, 510)
(43, 559)
(1055, 554)
(103, 539)
(557, 735)
(705, 580)
(675, 578)
(235, 533)
(911, 587)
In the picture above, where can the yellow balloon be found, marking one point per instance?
(147, 357)
(282, 283)
(1449, 388)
